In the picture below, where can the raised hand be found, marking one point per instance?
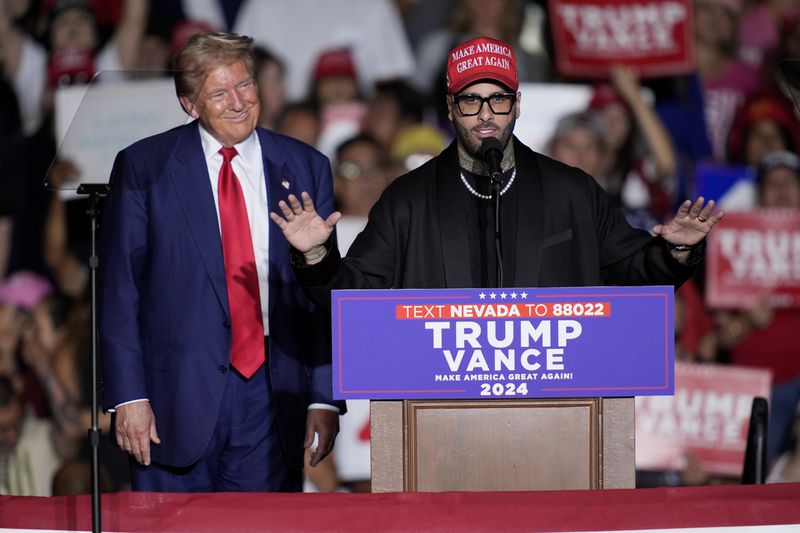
(690, 224)
(626, 82)
(301, 224)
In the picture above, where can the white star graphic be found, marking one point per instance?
(502, 296)
(524, 295)
(482, 296)
(492, 295)
(513, 295)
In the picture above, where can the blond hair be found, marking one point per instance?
(205, 51)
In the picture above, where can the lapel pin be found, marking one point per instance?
(285, 184)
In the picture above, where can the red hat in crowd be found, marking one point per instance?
(604, 95)
(184, 30)
(70, 66)
(763, 107)
(481, 59)
(335, 62)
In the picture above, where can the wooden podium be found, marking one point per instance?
(510, 445)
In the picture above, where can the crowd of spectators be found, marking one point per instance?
(363, 81)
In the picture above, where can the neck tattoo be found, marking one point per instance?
(475, 165)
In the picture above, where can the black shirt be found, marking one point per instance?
(479, 222)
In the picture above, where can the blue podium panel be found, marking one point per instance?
(503, 343)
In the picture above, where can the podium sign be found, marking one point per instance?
(503, 343)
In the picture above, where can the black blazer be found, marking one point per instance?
(567, 233)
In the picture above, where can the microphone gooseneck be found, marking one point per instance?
(492, 154)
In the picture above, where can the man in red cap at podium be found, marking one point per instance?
(490, 212)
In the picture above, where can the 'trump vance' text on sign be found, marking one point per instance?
(653, 36)
(752, 256)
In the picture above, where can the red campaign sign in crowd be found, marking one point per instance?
(754, 255)
(655, 37)
(707, 417)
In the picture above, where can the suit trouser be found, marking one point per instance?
(244, 453)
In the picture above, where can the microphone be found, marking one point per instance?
(492, 154)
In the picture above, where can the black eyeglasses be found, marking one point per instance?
(471, 104)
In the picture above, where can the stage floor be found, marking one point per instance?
(602, 510)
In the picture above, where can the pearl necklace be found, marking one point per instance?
(488, 196)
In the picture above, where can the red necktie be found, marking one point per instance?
(241, 276)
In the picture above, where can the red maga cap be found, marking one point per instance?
(69, 66)
(604, 95)
(481, 59)
(335, 62)
(184, 30)
(760, 107)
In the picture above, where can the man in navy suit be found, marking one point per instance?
(216, 365)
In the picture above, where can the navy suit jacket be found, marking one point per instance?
(164, 319)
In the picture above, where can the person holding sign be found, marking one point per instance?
(762, 334)
(216, 364)
(439, 226)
